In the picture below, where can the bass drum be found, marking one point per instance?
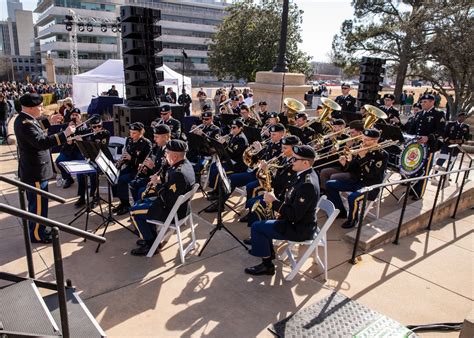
(412, 157)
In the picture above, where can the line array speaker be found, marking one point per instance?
(370, 78)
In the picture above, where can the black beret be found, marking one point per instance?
(262, 103)
(161, 129)
(372, 133)
(76, 111)
(389, 96)
(427, 97)
(277, 128)
(165, 107)
(290, 140)
(244, 106)
(31, 100)
(462, 113)
(417, 105)
(137, 126)
(235, 98)
(302, 115)
(338, 122)
(238, 123)
(206, 114)
(345, 85)
(177, 146)
(95, 120)
(206, 107)
(273, 114)
(304, 151)
(357, 125)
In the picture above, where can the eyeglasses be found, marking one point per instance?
(234, 127)
(96, 126)
(294, 159)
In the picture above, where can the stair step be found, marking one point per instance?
(23, 310)
(81, 321)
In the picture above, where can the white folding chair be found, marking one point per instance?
(116, 143)
(173, 223)
(319, 239)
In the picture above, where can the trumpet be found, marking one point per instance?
(223, 139)
(201, 126)
(226, 105)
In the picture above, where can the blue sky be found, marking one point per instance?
(321, 20)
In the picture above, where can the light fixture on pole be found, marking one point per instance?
(80, 26)
(89, 27)
(185, 56)
(103, 28)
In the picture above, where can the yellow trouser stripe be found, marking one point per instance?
(136, 226)
(426, 173)
(38, 212)
(57, 139)
(356, 206)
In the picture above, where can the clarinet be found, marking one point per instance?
(150, 185)
(143, 168)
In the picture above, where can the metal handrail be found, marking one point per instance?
(408, 180)
(50, 223)
(28, 187)
(365, 192)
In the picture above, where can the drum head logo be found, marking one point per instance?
(412, 157)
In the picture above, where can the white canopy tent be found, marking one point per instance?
(90, 84)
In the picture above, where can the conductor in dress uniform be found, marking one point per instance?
(297, 217)
(34, 163)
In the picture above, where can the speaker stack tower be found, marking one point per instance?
(370, 80)
(140, 28)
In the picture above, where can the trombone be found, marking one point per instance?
(345, 152)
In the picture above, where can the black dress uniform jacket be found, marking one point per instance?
(456, 131)
(179, 179)
(347, 103)
(270, 151)
(298, 208)
(235, 149)
(34, 163)
(370, 169)
(138, 150)
(174, 125)
(283, 178)
(429, 123)
(391, 112)
(211, 131)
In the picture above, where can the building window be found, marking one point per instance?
(27, 68)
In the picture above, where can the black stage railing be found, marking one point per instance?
(56, 227)
(409, 181)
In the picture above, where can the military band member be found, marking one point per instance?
(179, 179)
(100, 135)
(153, 163)
(208, 127)
(185, 100)
(246, 118)
(456, 132)
(393, 115)
(366, 168)
(271, 121)
(234, 105)
(166, 118)
(280, 182)
(429, 126)
(297, 216)
(137, 148)
(411, 120)
(34, 161)
(346, 101)
(70, 151)
(308, 132)
(263, 111)
(235, 148)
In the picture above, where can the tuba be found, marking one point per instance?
(293, 107)
(373, 114)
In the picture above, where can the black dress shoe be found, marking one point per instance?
(212, 197)
(248, 241)
(123, 210)
(80, 202)
(118, 207)
(348, 224)
(261, 269)
(342, 214)
(141, 242)
(244, 219)
(416, 198)
(67, 183)
(141, 250)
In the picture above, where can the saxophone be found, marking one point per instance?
(264, 176)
